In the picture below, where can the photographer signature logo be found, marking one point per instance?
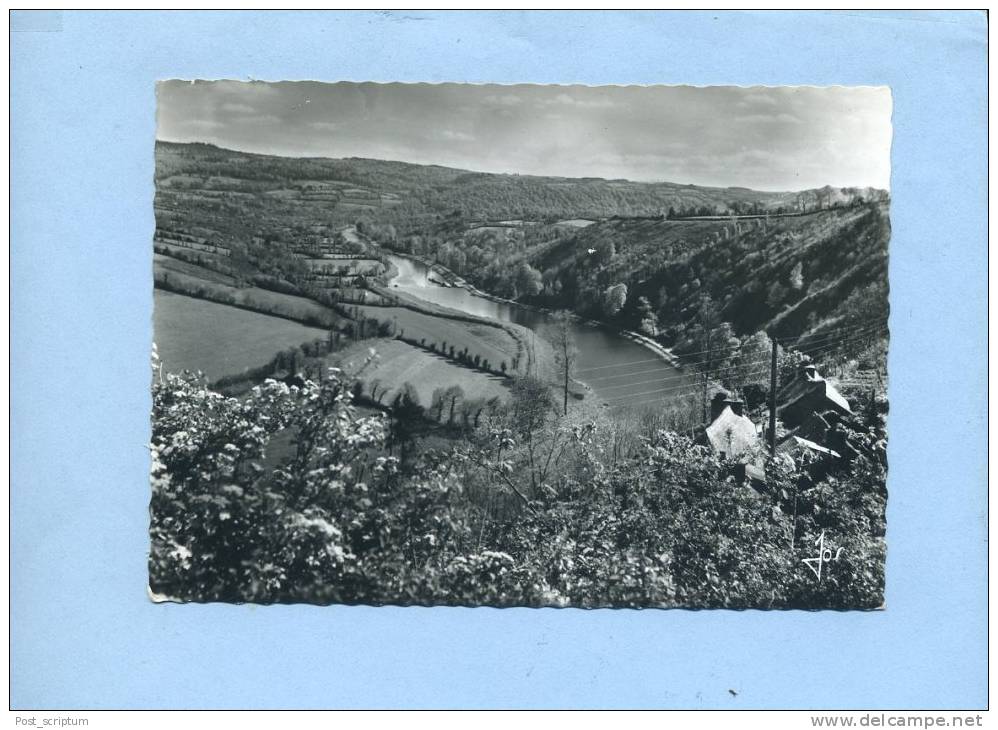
(824, 556)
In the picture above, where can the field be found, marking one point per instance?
(168, 263)
(184, 326)
(205, 285)
(491, 343)
(398, 363)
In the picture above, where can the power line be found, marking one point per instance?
(852, 333)
(866, 332)
(743, 363)
(670, 388)
(833, 350)
(682, 391)
(673, 387)
(624, 365)
(663, 399)
(737, 367)
(628, 364)
(710, 349)
(641, 382)
(625, 375)
(655, 370)
(818, 339)
(720, 374)
(701, 362)
(838, 343)
(734, 371)
(731, 366)
(647, 392)
(824, 336)
(748, 369)
(708, 360)
(686, 363)
(687, 388)
(855, 324)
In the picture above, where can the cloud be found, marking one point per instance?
(238, 108)
(568, 100)
(324, 126)
(768, 119)
(261, 120)
(755, 157)
(203, 124)
(503, 99)
(452, 136)
(245, 89)
(757, 99)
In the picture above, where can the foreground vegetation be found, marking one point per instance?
(527, 509)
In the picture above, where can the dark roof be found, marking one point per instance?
(817, 388)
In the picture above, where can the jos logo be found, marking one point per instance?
(824, 556)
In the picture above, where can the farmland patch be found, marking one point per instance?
(194, 334)
(398, 363)
(489, 343)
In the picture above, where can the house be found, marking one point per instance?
(734, 436)
(731, 433)
(807, 395)
(814, 412)
(811, 411)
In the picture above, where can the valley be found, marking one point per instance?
(443, 386)
(652, 259)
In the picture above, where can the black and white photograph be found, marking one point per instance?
(520, 345)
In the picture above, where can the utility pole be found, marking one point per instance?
(772, 402)
(708, 366)
(706, 412)
(565, 406)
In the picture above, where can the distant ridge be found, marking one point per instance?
(549, 179)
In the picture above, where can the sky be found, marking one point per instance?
(765, 138)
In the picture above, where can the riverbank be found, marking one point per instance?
(526, 353)
(614, 366)
(646, 342)
(456, 281)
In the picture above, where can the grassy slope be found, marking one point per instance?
(398, 363)
(198, 283)
(535, 352)
(172, 265)
(195, 334)
(490, 343)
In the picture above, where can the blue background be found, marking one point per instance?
(85, 635)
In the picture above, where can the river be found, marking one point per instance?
(621, 372)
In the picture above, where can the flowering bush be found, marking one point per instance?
(337, 520)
